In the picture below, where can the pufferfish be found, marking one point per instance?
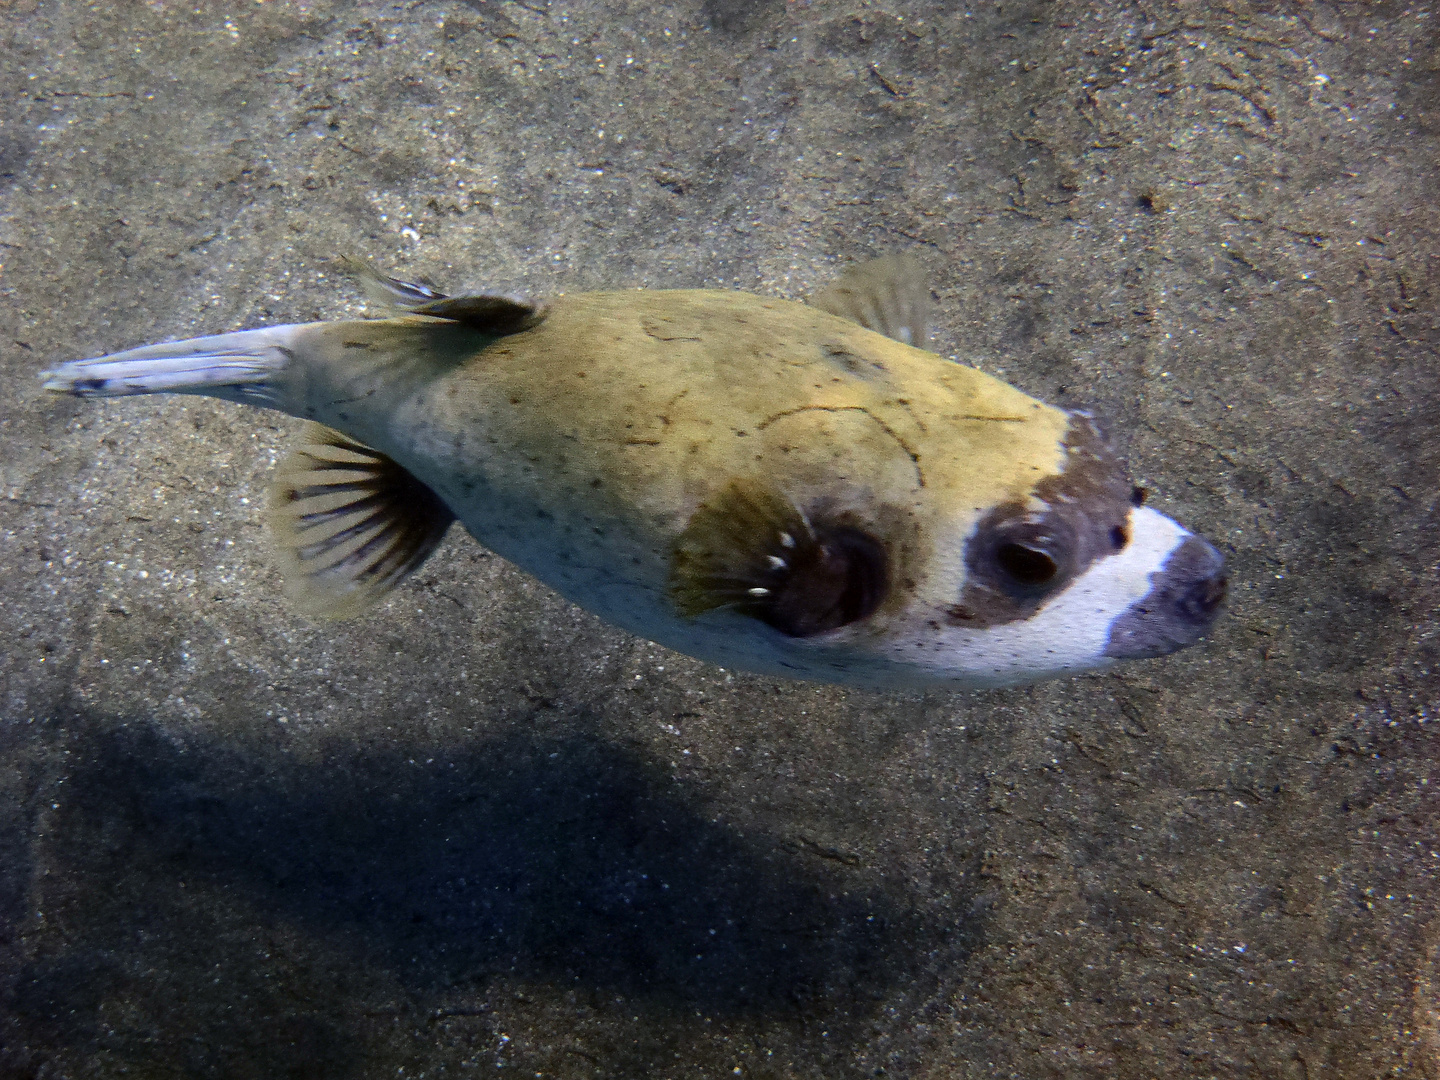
(796, 489)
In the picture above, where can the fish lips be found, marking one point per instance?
(1185, 597)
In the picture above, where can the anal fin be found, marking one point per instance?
(349, 523)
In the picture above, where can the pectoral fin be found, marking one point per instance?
(349, 523)
(889, 296)
(753, 551)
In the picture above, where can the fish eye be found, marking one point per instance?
(1028, 557)
(1026, 565)
(1024, 552)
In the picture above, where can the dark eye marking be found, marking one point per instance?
(1024, 553)
(1024, 556)
(1027, 566)
(1138, 495)
(1016, 560)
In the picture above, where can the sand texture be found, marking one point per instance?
(480, 829)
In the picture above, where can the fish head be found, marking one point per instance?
(1048, 577)
(1072, 575)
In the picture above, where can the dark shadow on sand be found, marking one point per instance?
(571, 862)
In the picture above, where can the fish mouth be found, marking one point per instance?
(1185, 598)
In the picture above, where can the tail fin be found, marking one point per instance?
(238, 367)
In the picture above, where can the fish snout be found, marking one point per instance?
(1185, 597)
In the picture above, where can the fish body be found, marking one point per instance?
(757, 482)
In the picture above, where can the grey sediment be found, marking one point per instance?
(480, 827)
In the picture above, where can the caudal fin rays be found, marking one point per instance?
(242, 366)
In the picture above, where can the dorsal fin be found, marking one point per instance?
(389, 292)
(889, 296)
(349, 523)
(490, 313)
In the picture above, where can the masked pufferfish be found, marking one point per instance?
(789, 488)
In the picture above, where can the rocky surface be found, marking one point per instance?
(481, 829)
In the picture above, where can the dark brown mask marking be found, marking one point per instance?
(1019, 558)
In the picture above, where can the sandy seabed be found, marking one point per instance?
(480, 828)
